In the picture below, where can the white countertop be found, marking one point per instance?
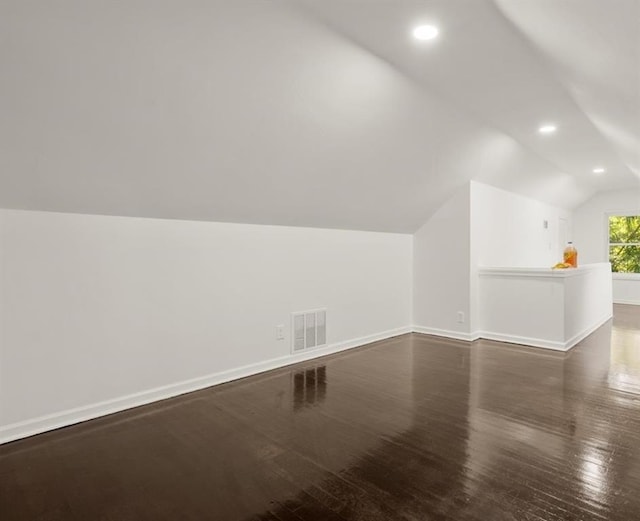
(542, 272)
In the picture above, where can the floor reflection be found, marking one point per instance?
(402, 452)
(624, 373)
(412, 428)
(309, 387)
(561, 427)
(505, 432)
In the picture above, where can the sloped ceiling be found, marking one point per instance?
(593, 48)
(312, 113)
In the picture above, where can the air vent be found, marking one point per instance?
(309, 329)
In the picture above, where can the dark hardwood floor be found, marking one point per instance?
(412, 428)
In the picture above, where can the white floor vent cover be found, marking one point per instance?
(309, 329)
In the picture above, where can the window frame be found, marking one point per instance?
(607, 244)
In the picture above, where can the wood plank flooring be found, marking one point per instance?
(412, 428)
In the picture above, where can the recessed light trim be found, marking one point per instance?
(547, 129)
(599, 170)
(425, 32)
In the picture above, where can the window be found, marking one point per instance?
(624, 243)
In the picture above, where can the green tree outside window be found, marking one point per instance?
(624, 243)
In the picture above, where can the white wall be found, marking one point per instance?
(626, 289)
(479, 226)
(507, 230)
(591, 236)
(100, 313)
(554, 309)
(441, 269)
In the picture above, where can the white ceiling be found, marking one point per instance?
(313, 113)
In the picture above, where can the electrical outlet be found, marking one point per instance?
(460, 317)
(280, 332)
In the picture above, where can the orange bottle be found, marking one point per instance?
(571, 255)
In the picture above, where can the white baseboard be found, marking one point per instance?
(524, 340)
(514, 339)
(627, 302)
(585, 333)
(446, 333)
(68, 417)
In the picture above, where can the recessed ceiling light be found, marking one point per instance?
(599, 170)
(425, 32)
(547, 129)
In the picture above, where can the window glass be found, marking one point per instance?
(624, 243)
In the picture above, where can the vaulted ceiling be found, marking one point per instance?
(313, 113)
